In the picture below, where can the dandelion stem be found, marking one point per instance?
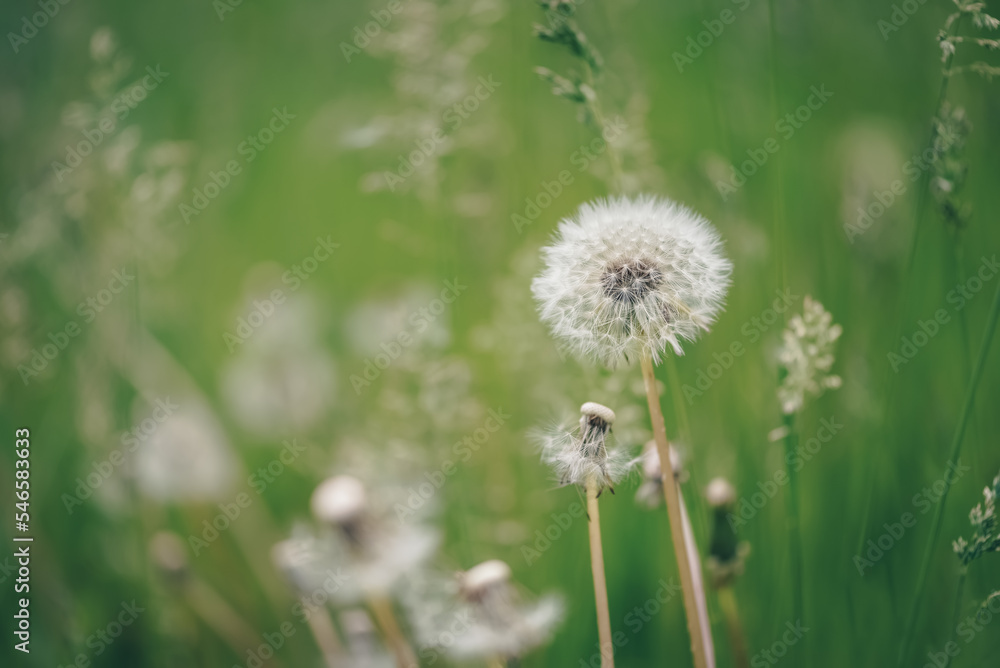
(325, 634)
(737, 640)
(600, 583)
(382, 610)
(220, 617)
(793, 524)
(956, 449)
(672, 498)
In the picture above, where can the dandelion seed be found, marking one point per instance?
(579, 456)
(807, 356)
(629, 277)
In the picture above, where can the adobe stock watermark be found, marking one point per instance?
(900, 14)
(544, 538)
(248, 149)
(130, 442)
(37, 21)
(747, 507)
(230, 512)
(102, 638)
(362, 35)
(752, 331)
(958, 297)
(119, 109)
(39, 358)
(967, 629)
(463, 451)
(581, 158)
(786, 127)
(912, 170)
(636, 619)
(922, 502)
(698, 44)
(419, 321)
(452, 119)
(293, 278)
(779, 648)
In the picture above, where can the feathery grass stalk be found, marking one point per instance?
(955, 451)
(594, 104)
(737, 639)
(793, 523)
(381, 608)
(600, 583)
(672, 497)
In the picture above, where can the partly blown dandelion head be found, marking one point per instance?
(504, 623)
(628, 277)
(650, 492)
(579, 456)
(807, 356)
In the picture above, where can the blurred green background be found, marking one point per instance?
(323, 177)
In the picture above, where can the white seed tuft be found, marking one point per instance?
(339, 500)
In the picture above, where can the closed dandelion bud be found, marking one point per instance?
(726, 552)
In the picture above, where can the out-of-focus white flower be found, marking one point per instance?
(281, 380)
(365, 546)
(807, 356)
(503, 625)
(650, 492)
(581, 456)
(187, 457)
(628, 277)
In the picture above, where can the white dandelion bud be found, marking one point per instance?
(807, 356)
(628, 277)
(720, 493)
(581, 456)
(341, 502)
(650, 492)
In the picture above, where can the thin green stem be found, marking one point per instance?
(907, 281)
(779, 185)
(793, 525)
(955, 451)
(956, 611)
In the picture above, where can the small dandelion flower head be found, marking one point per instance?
(807, 356)
(628, 277)
(581, 456)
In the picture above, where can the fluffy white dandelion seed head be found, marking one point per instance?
(720, 493)
(628, 277)
(339, 500)
(807, 356)
(580, 456)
